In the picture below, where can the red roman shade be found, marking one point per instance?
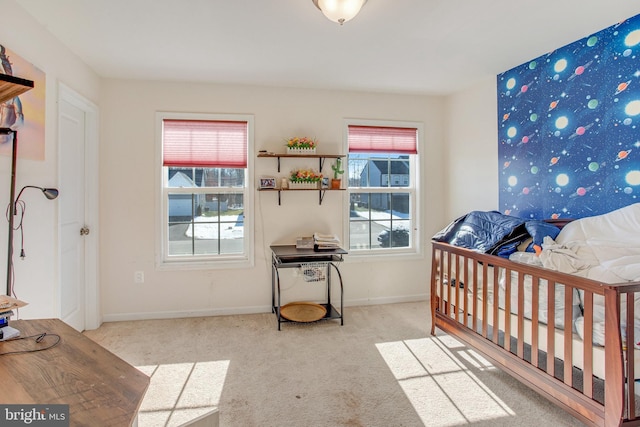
(374, 139)
(204, 143)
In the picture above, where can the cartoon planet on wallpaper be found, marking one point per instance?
(632, 108)
(581, 130)
(633, 178)
(581, 191)
(633, 38)
(579, 70)
(622, 155)
(622, 87)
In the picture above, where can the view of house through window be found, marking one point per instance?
(382, 189)
(202, 221)
(204, 190)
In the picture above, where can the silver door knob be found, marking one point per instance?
(84, 231)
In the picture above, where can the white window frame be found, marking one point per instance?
(203, 262)
(415, 250)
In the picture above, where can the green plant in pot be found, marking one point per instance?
(337, 171)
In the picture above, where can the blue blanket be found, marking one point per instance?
(494, 233)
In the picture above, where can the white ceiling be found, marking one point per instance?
(401, 46)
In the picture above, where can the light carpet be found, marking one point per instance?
(382, 368)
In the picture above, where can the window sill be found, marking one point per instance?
(209, 264)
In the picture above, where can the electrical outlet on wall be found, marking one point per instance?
(138, 277)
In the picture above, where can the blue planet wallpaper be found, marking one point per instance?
(569, 128)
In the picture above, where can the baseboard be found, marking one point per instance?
(121, 317)
(387, 300)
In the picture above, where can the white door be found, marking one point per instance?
(78, 185)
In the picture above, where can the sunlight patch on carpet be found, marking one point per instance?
(437, 375)
(181, 392)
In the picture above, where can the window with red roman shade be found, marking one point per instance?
(204, 143)
(374, 139)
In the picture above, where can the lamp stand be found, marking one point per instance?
(12, 196)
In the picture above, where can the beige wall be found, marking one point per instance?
(472, 149)
(128, 197)
(36, 277)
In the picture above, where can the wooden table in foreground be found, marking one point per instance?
(99, 387)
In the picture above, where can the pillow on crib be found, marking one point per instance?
(538, 231)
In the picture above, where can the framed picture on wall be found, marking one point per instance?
(267, 182)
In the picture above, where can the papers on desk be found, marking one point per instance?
(325, 242)
(304, 242)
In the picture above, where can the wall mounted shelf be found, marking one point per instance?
(320, 191)
(321, 158)
(11, 86)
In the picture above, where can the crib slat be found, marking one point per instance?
(507, 309)
(496, 306)
(535, 325)
(588, 344)
(455, 286)
(475, 296)
(448, 302)
(465, 290)
(485, 297)
(521, 316)
(551, 324)
(568, 335)
(631, 355)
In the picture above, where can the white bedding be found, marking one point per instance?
(604, 248)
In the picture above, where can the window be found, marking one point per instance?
(383, 198)
(205, 197)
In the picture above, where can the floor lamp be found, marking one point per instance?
(11, 87)
(49, 193)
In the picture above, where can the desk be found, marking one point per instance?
(288, 256)
(99, 387)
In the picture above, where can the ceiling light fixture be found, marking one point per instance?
(339, 11)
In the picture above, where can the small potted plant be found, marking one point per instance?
(336, 181)
(301, 145)
(304, 179)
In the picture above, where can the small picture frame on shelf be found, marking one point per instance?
(267, 182)
(325, 182)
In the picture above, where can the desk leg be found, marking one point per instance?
(279, 306)
(341, 293)
(329, 285)
(273, 286)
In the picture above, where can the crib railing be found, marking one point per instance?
(587, 380)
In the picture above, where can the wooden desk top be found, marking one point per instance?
(99, 387)
(291, 251)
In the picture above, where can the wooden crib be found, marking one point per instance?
(587, 380)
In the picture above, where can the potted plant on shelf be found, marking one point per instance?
(336, 181)
(304, 179)
(301, 145)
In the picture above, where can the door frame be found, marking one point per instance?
(93, 314)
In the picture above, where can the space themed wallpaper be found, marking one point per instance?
(569, 128)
